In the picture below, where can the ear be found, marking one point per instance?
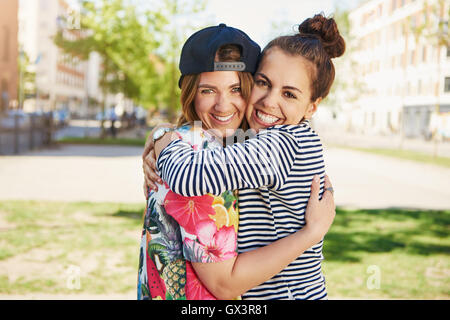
(312, 108)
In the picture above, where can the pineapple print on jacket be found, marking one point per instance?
(179, 230)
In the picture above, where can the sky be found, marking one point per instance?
(263, 20)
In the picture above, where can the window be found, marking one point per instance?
(393, 5)
(447, 84)
(380, 10)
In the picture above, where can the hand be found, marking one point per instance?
(320, 214)
(149, 161)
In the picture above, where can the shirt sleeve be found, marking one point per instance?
(264, 160)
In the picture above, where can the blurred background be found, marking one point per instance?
(82, 83)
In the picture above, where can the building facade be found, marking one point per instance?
(404, 68)
(62, 81)
(9, 51)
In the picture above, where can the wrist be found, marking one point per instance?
(312, 233)
(160, 132)
(163, 142)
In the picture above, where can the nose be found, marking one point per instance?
(223, 103)
(270, 100)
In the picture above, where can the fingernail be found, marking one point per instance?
(316, 178)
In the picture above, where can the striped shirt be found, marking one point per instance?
(273, 172)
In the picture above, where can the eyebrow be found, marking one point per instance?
(270, 83)
(205, 85)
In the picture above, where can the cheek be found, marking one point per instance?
(294, 114)
(240, 105)
(202, 107)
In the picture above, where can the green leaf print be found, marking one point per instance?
(228, 198)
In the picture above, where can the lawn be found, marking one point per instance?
(138, 142)
(44, 244)
(403, 154)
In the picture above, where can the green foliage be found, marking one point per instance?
(347, 86)
(138, 48)
(434, 25)
(27, 77)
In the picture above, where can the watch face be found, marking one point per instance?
(159, 133)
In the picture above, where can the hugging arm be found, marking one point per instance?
(233, 277)
(261, 161)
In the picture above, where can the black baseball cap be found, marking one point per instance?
(200, 49)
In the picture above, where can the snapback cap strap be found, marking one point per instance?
(229, 66)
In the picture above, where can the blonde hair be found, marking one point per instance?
(189, 86)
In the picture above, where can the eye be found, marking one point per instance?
(206, 91)
(261, 83)
(236, 89)
(290, 95)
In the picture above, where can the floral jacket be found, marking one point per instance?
(179, 230)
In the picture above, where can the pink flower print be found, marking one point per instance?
(195, 290)
(215, 245)
(188, 211)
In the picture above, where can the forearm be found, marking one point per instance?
(254, 267)
(256, 163)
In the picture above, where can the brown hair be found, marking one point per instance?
(318, 41)
(189, 85)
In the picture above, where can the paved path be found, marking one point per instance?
(365, 180)
(74, 173)
(114, 174)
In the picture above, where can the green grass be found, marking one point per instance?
(403, 154)
(40, 241)
(410, 248)
(139, 142)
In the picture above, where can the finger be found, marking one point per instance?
(145, 190)
(151, 175)
(327, 185)
(151, 185)
(315, 188)
(328, 196)
(327, 182)
(151, 159)
(149, 166)
(147, 146)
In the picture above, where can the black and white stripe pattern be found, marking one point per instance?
(273, 173)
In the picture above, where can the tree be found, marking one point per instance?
(27, 78)
(433, 29)
(139, 47)
(123, 39)
(183, 17)
(348, 86)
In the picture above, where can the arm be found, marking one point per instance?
(260, 161)
(149, 161)
(235, 276)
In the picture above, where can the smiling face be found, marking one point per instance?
(282, 91)
(218, 101)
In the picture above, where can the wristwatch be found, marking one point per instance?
(159, 133)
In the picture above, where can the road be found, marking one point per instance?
(365, 180)
(114, 174)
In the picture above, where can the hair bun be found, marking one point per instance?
(327, 32)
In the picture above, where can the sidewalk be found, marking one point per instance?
(335, 137)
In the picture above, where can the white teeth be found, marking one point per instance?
(223, 118)
(266, 118)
